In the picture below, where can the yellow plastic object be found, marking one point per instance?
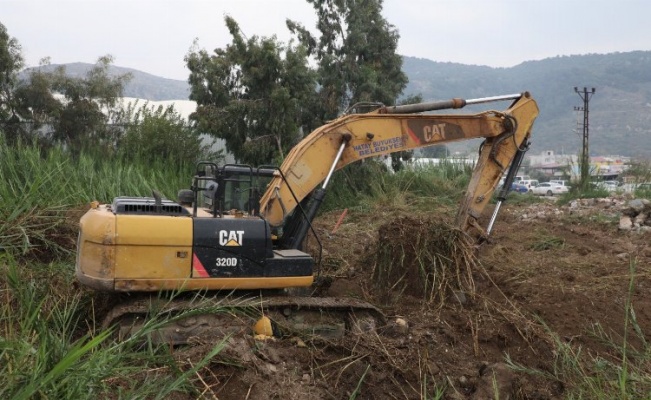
(263, 327)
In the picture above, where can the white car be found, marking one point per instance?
(561, 183)
(548, 189)
(528, 183)
(611, 186)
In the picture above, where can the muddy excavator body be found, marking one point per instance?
(240, 228)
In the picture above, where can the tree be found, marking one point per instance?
(35, 101)
(80, 113)
(398, 157)
(11, 62)
(356, 54)
(255, 94)
(161, 134)
(90, 107)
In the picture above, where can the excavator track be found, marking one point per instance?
(179, 321)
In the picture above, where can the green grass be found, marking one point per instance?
(370, 184)
(523, 199)
(544, 242)
(50, 349)
(643, 194)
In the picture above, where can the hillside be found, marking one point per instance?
(142, 85)
(620, 110)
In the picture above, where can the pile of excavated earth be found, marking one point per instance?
(491, 322)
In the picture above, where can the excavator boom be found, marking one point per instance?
(386, 130)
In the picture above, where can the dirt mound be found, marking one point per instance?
(422, 258)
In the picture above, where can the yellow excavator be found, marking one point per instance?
(241, 229)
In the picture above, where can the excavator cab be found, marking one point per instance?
(227, 190)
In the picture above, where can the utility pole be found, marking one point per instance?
(585, 156)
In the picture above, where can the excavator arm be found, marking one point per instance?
(386, 130)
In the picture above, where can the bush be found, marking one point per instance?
(162, 135)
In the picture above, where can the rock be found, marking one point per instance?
(495, 380)
(272, 356)
(402, 323)
(640, 218)
(465, 383)
(396, 328)
(268, 369)
(625, 223)
(637, 205)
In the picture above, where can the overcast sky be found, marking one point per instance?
(154, 35)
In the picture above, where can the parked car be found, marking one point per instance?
(561, 183)
(529, 183)
(516, 179)
(518, 188)
(610, 186)
(549, 189)
(515, 187)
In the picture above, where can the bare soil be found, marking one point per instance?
(550, 276)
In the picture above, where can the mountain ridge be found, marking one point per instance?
(143, 85)
(620, 109)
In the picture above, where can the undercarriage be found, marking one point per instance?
(209, 318)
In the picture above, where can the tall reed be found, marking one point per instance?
(50, 349)
(372, 182)
(39, 189)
